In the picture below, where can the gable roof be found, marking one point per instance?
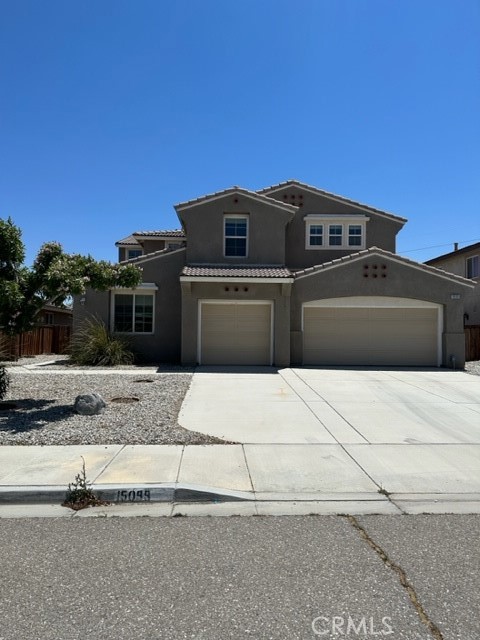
(332, 196)
(254, 195)
(471, 247)
(126, 242)
(375, 251)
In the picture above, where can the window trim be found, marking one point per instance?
(328, 220)
(129, 257)
(143, 289)
(472, 259)
(308, 235)
(242, 216)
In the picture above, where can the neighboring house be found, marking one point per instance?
(286, 275)
(464, 262)
(52, 315)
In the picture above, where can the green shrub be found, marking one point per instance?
(94, 345)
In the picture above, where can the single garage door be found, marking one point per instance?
(236, 333)
(370, 336)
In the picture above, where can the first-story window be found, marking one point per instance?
(473, 267)
(335, 235)
(133, 313)
(354, 235)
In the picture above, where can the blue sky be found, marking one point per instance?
(113, 111)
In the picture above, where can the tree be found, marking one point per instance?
(54, 277)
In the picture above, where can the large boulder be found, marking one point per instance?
(89, 404)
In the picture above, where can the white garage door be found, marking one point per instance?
(371, 336)
(236, 333)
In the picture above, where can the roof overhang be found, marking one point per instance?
(251, 195)
(332, 196)
(236, 279)
(387, 255)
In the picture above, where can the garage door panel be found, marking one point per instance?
(235, 334)
(370, 336)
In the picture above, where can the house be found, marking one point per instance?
(56, 316)
(286, 275)
(464, 262)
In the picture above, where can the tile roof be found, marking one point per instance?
(471, 247)
(240, 190)
(387, 254)
(229, 271)
(129, 240)
(166, 233)
(329, 194)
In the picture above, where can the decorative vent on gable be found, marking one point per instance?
(294, 198)
(374, 270)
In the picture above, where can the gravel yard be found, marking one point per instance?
(473, 367)
(44, 409)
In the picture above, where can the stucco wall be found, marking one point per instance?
(400, 281)
(457, 264)
(380, 232)
(193, 292)
(204, 225)
(164, 344)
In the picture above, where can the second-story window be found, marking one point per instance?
(133, 253)
(354, 235)
(473, 267)
(315, 235)
(236, 236)
(335, 235)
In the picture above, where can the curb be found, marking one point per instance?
(125, 494)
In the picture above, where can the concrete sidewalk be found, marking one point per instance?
(357, 441)
(250, 479)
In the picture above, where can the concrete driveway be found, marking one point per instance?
(412, 433)
(335, 406)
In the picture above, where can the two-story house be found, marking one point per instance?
(290, 274)
(464, 262)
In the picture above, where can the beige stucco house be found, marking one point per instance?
(464, 262)
(290, 274)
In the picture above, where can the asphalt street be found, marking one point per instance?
(274, 578)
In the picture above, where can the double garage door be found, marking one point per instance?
(342, 335)
(235, 333)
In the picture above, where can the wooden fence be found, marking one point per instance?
(472, 342)
(47, 339)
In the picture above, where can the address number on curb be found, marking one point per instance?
(133, 495)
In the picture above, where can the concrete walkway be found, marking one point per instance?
(310, 441)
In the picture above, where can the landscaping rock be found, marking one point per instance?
(89, 404)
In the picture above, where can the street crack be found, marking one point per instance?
(402, 577)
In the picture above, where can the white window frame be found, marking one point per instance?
(308, 235)
(329, 220)
(475, 262)
(240, 216)
(143, 289)
(129, 250)
(336, 235)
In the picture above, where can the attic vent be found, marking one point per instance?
(295, 199)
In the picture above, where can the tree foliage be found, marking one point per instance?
(54, 277)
